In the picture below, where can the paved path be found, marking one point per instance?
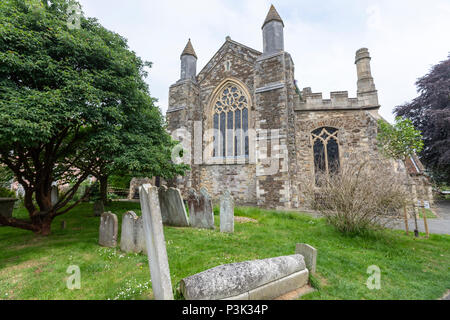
(439, 225)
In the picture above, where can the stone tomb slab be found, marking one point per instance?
(249, 280)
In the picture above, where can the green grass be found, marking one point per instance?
(429, 214)
(34, 267)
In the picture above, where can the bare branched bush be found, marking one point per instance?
(359, 197)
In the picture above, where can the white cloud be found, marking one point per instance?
(404, 37)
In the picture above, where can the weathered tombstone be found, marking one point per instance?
(99, 208)
(54, 194)
(63, 225)
(108, 230)
(140, 236)
(156, 244)
(310, 255)
(128, 233)
(173, 211)
(249, 280)
(227, 212)
(201, 214)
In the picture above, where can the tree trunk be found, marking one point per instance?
(104, 189)
(45, 228)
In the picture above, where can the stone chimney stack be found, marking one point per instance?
(188, 62)
(365, 79)
(273, 37)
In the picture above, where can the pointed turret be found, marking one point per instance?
(188, 62)
(189, 50)
(273, 37)
(272, 16)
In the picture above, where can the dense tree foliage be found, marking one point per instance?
(73, 103)
(430, 113)
(400, 140)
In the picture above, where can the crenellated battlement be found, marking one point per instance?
(339, 100)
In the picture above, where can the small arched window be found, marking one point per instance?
(326, 150)
(230, 122)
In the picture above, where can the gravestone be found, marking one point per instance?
(132, 237)
(98, 208)
(140, 236)
(156, 244)
(200, 209)
(54, 194)
(172, 207)
(108, 230)
(310, 255)
(227, 212)
(128, 233)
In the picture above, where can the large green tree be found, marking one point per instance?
(430, 113)
(73, 103)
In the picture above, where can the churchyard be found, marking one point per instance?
(34, 267)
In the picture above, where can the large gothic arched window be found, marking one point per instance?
(326, 150)
(230, 122)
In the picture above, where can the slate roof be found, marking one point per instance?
(273, 15)
(189, 50)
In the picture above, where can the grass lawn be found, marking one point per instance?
(34, 267)
(429, 214)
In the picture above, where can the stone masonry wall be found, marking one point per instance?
(357, 140)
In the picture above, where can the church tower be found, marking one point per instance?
(182, 112)
(274, 117)
(188, 62)
(273, 33)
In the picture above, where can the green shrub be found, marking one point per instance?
(6, 193)
(359, 198)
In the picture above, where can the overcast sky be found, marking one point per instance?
(405, 38)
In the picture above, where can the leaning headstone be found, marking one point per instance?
(227, 212)
(310, 255)
(128, 233)
(99, 208)
(173, 210)
(201, 214)
(108, 230)
(156, 244)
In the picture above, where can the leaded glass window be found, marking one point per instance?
(230, 122)
(326, 150)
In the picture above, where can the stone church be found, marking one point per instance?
(246, 127)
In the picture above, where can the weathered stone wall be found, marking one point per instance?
(275, 97)
(239, 179)
(357, 140)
